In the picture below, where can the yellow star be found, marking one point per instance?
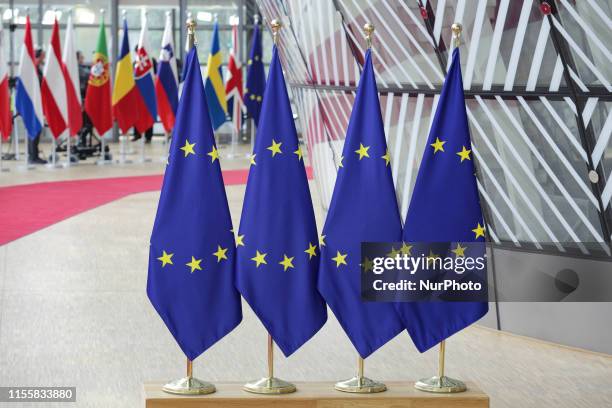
(194, 264)
(214, 154)
(252, 97)
(287, 262)
(393, 252)
(432, 255)
(322, 240)
(252, 159)
(299, 153)
(259, 258)
(459, 251)
(340, 162)
(275, 147)
(220, 254)
(340, 259)
(239, 240)
(367, 265)
(387, 158)
(188, 148)
(479, 231)
(166, 259)
(464, 154)
(438, 145)
(311, 251)
(406, 249)
(362, 151)
(249, 62)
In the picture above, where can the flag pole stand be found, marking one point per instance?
(440, 384)
(2, 168)
(143, 157)
(102, 160)
(123, 149)
(54, 164)
(68, 162)
(189, 385)
(164, 157)
(360, 384)
(26, 162)
(269, 384)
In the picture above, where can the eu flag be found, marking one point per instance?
(191, 258)
(256, 78)
(363, 209)
(277, 255)
(445, 207)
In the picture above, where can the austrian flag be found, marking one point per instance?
(53, 87)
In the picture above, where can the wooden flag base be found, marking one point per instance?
(317, 395)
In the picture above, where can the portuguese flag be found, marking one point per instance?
(98, 97)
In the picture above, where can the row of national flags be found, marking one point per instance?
(138, 96)
(200, 264)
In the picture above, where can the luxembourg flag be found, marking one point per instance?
(144, 76)
(6, 122)
(53, 87)
(27, 95)
(71, 77)
(166, 84)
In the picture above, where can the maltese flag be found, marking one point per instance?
(71, 77)
(53, 87)
(27, 93)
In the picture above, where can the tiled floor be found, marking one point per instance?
(73, 311)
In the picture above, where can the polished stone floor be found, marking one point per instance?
(73, 311)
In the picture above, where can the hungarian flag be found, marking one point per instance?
(71, 77)
(98, 97)
(53, 87)
(5, 98)
(233, 83)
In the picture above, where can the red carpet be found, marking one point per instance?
(27, 208)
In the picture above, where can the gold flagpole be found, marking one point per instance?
(270, 384)
(361, 384)
(189, 385)
(441, 383)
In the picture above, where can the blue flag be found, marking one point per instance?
(444, 208)
(256, 78)
(215, 89)
(277, 256)
(363, 209)
(191, 258)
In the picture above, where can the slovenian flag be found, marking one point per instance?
(53, 87)
(166, 84)
(27, 98)
(71, 77)
(5, 96)
(145, 82)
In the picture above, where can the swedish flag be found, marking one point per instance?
(191, 258)
(363, 209)
(277, 254)
(215, 89)
(445, 207)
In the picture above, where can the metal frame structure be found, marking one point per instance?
(309, 60)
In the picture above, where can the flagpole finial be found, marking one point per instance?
(456, 28)
(191, 28)
(276, 26)
(256, 19)
(368, 29)
(123, 13)
(168, 13)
